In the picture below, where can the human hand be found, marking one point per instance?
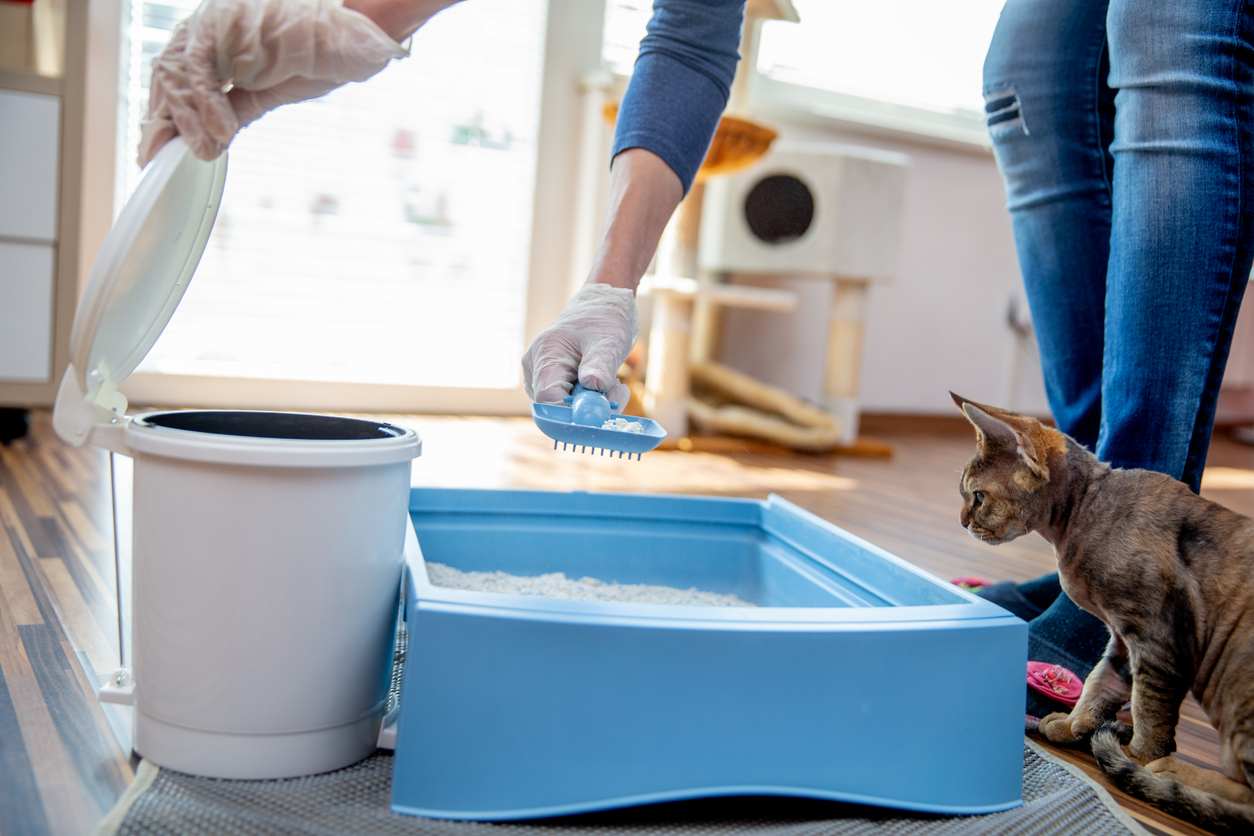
(270, 53)
(588, 343)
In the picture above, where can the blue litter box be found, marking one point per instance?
(857, 677)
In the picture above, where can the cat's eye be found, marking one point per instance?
(977, 499)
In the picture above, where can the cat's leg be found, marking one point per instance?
(1160, 682)
(1241, 747)
(1106, 689)
(1207, 780)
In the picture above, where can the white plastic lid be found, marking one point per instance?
(137, 281)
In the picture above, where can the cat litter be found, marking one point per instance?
(623, 425)
(558, 585)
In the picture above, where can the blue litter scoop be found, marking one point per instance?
(585, 422)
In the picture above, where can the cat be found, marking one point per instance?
(1170, 573)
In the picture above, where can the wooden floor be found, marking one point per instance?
(60, 767)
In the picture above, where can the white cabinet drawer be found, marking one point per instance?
(26, 273)
(29, 146)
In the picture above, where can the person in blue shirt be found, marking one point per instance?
(1124, 131)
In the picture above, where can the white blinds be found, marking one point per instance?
(379, 234)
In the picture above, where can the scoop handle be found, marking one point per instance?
(588, 407)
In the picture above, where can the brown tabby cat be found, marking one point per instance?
(1172, 576)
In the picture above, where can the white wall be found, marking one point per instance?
(941, 324)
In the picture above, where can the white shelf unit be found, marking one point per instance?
(28, 232)
(40, 176)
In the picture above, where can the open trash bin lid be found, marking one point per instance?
(137, 281)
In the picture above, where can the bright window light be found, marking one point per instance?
(379, 234)
(919, 54)
(913, 53)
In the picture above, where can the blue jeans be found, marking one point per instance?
(1123, 130)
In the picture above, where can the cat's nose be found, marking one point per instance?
(965, 517)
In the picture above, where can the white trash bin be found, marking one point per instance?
(268, 547)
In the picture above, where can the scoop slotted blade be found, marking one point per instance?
(579, 424)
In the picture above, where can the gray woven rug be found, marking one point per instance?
(1057, 799)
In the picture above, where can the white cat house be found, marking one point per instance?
(812, 211)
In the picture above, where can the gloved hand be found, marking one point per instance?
(588, 343)
(271, 52)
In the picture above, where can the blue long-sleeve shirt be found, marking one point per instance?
(681, 82)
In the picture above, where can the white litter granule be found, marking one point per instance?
(623, 425)
(557, 585)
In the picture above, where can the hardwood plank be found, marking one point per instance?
(84, 528)
(84, 631)
(11, 520)
(50, 466)
(96, 591)
(21, 808)
(14, 590)
(35, 586)
(92, 757)
(64, 798)
(71, 807)
(31, 491)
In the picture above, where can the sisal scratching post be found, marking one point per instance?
(666, 374)
(844, 352)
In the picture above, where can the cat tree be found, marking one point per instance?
(710, 245)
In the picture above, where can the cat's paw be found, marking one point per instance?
(1061, 728)
(1146, 751)
(1164, 766)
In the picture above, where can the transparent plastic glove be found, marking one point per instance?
(589, 341)
(269, 52)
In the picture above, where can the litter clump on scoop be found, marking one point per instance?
(623, 425)
(558, 585)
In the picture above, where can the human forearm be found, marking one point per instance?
(644, 192)
(680, 83)
(399, 18)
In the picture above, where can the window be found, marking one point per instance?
(875, 51)
(861, 60)
(380, 234)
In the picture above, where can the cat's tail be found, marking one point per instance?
(1166, 791)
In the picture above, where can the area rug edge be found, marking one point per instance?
(144, 776)
(1103, 794)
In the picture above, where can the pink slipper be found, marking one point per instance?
(971, 582)
(1055, 682)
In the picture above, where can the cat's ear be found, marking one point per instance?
(1013, 434)
(990, 432)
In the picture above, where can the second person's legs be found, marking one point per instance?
(1183, 206)
(1050, 116)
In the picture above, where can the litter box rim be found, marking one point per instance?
(774, 514)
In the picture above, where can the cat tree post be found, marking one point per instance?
(666, 377)
(677, 256)
(845, 332)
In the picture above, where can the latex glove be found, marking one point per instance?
(271, 52)
(588, 343)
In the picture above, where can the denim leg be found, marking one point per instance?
(1050, 117)
(1182, 226)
